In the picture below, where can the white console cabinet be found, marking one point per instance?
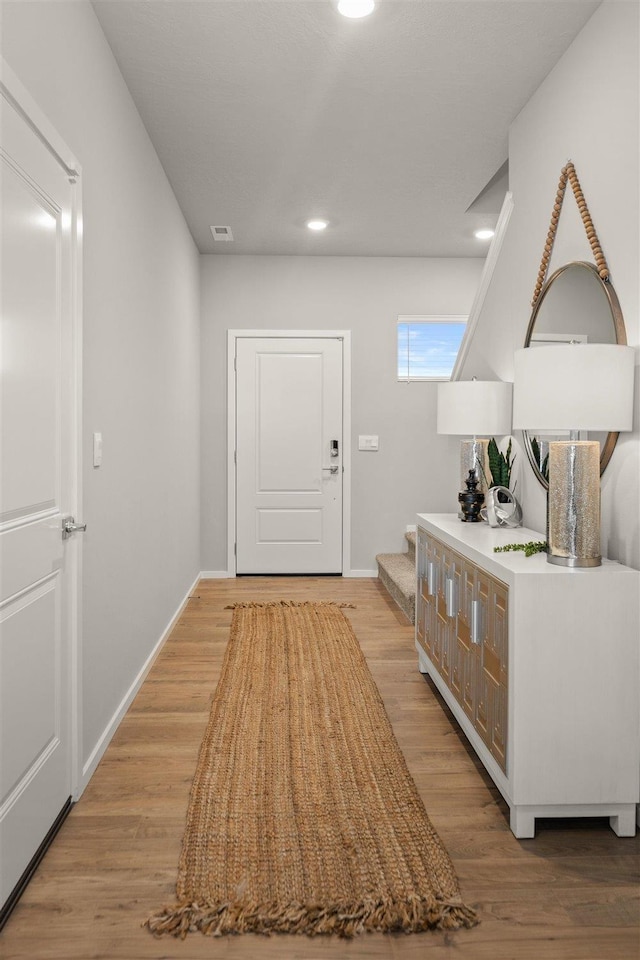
(540, 667)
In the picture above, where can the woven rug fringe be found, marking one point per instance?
(248, 605)
(346, 920)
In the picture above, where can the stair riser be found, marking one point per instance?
(406, 603)
(410, 537)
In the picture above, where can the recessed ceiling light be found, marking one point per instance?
(317, 224)
(483, 234)
(355, 8)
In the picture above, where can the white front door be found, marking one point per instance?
(37, 486)
(289, 476)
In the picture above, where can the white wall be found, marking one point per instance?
(141, 346)
(586, 110)
(414, 470)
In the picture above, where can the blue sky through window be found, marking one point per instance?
(427, 349)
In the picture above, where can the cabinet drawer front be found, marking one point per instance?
(463, 627)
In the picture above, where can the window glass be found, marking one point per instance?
(428, 347)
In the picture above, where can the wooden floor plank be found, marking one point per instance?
(569, 894)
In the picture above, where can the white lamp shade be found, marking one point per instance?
(584, 386)
(474, 408)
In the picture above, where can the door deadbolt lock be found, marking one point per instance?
(334, 448)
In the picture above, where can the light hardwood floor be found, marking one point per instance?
(569, 894)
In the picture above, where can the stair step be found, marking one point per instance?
(410, 537)
(398, 575)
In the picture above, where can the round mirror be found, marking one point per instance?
(575, 305)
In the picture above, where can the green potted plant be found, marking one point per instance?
(500, 467)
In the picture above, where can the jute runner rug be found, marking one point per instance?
(303, 817)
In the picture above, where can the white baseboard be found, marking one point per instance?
(96, 754)
(225, 575)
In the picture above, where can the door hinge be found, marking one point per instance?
(235, 549)
(235, 364)
(235, 456)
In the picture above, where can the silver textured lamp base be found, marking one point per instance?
(573, 514)
(472, 451)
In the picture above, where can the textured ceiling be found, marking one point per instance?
(265, 113)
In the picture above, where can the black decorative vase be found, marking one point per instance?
(471, 500)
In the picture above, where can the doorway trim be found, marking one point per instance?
(14, 92)
(232, 337)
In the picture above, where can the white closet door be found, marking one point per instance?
(37, 442)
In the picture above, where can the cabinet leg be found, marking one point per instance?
(623, 824)
(522, 822)
(422, 662)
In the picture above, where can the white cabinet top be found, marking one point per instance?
(477, 540)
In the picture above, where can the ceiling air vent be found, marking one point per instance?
(222, 233)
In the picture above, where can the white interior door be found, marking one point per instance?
(37, 474)
(289, 463)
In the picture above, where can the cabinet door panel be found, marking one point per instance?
(429, 588)
(464, 652)
(451, 565)
(446, 653)
(470, 692)
(498, 724)
(483, 596)
(462, 626)
(420, 618)
(492, 693)
(424, 620)
(421, 562)
(464, 580)
(440, 561)
(440, 624)
(495, 664)
(457, 666)
(500, 628)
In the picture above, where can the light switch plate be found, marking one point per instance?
(97, 449)
(367, 442)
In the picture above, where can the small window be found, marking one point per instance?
(428, 346)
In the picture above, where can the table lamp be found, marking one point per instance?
(479, 409)
(574, 387)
